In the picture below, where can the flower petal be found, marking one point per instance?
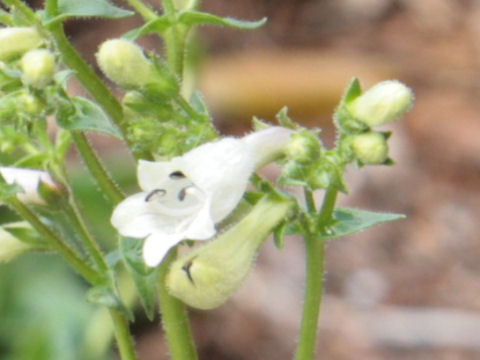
(221, 170)
(152, 174)
(157, 245)
(135, 217)
(202, 227)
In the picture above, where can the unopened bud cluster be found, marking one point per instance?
(383, 103)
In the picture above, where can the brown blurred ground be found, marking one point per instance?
(408, 290)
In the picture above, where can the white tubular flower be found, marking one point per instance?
(184, 198)
(28, 180)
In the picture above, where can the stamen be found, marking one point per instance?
(177, 175)
(186, 268)
(182, 194)
(155, 193)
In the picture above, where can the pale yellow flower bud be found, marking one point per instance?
(370, 148)
(15, 41)
(38, 67)
(124, 63)
(385, 102)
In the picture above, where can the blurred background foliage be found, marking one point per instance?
(408, 290)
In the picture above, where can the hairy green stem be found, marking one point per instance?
(144, 10)
(56, 243)
(92, 83)
(174, 41)
(103, 179)
(315, 254)
(314, 249)
(124, 339)
(174, 318)
(90, 245)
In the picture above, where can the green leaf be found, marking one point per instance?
(87, 8)
(191, 18)
(81, 114)
(24, 232)
(9, 190)
(158, 25)
(348, 221)
(144, 277)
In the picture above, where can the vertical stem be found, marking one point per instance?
(174, 318)
(101, 176)
(174, 41)
(144, 10)
(315, 254)
(93, 84)
(88, 242)
(315, 250)
(124, 339)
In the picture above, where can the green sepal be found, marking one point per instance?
(144, 277)
(87, 8)
(284, 119)
(353, 91)
(198, 103)
(191, 18)
(259, 124)
(105, 296)
(324, 173)
(78, 113)
(342, 117)
(279, 235)
(347, 221)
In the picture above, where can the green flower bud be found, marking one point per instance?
(207, 276)
(370, 148)
(124, 63)
(38, 68)
(385, 102)
(29, 104)
(303, 147)
(15, 41)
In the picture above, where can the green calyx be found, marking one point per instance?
(207, 276)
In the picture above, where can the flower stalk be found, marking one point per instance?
(174, 317)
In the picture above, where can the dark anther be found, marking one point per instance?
(177, 175)
(182, 194)
(152, 193)
(186, 268)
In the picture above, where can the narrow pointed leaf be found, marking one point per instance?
(88, 8)
(191, 18)
(82, 114)
(348, 221)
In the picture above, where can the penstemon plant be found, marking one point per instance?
(194, 181)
